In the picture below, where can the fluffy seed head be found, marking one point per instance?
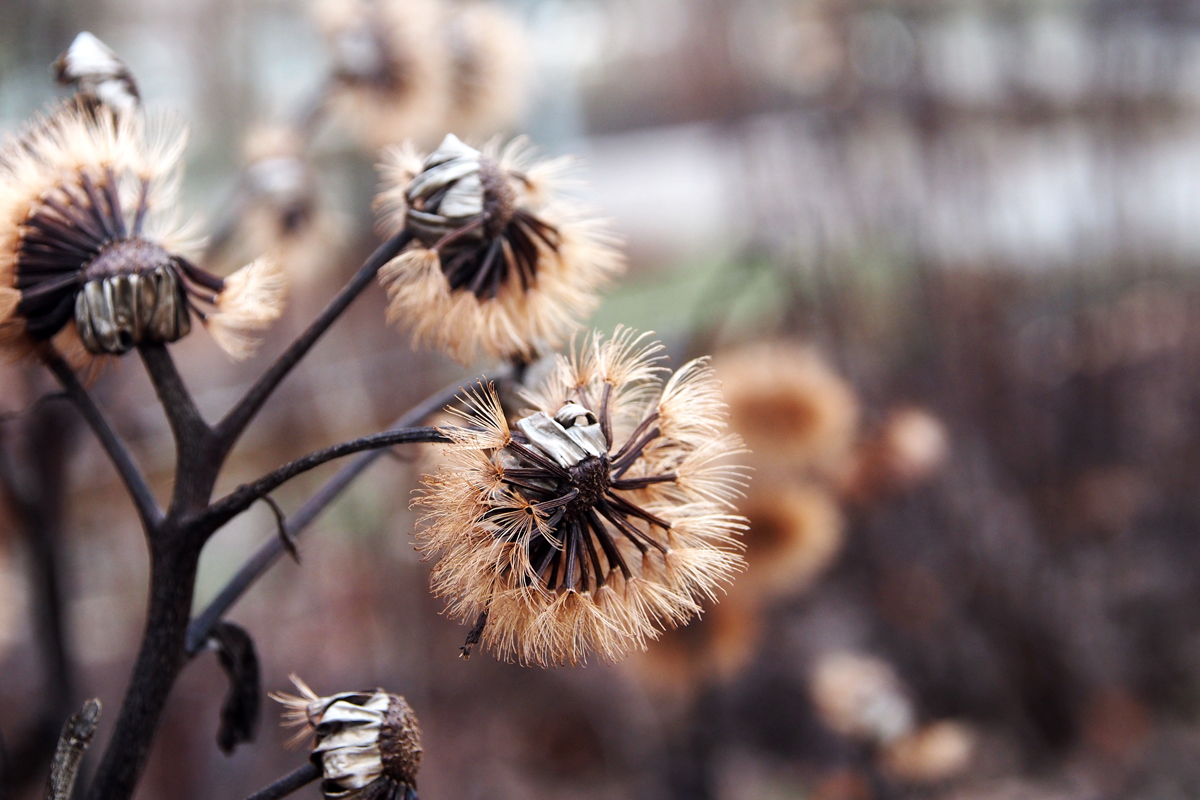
(795, 535)
(605, 516)
(367, 744)
(861, 696)
(487, 50)
(89, 245)
(499, 265)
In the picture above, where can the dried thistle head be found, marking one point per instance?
(488, 67)
(601, 519)
(790, 406)
(390, 65)
(861, 696)
(367, 744)
(795, 534)
(499, 264)
(98, 75)
(89, 248)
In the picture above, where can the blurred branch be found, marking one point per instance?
(135, 481)
(288, 783)
(229, 429)
(274, 547)
(76, 735)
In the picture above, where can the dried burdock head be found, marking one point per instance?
(499, 265)
(390, 65)
(910, 447)
(89, 246)
(789, 405)
(862, 697)
(487, 49)
(795, 534)
(99, 76)
(718, 647)
(367, 744)
(603, 518)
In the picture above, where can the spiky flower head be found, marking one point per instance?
(498, 264)
(367, 744)
(605, 516)
(89, 246)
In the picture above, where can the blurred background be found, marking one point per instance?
(944, 255)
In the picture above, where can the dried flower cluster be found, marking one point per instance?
(89, 246)
(413, 69)
(604, 517)
(499, 264)
(367, 744)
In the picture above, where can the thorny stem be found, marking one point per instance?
(247, 494)
(274, 547)
(143, 499)
(231, 427)
(289, 783)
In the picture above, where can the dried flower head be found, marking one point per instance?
(390, 65)
(367, 744)
(795, 534)
(498, 264)
(97, 74)
(487, 49)
(605, 516)
(933, 754)
(88, 244)
(789, 405)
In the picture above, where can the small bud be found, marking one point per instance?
(367, 744)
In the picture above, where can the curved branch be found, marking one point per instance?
(230, 428)
(247, 494)
(289, 783)
(273, 548)
(135, 482)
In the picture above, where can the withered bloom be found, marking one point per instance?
(89, 248)
(367, 744)
(390, 65)
(603, 518)
(487, 49)
(498, 264)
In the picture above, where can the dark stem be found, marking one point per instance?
(288, 783)
(247, 494)
(273, 548)
(235, 422)
(197, 458)
(131, 475)
(161, 658)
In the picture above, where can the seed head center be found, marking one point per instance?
(591, 477)
(499, 198)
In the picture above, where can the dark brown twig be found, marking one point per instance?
(127, 468)
(289, 783)
(271, 549)
(235, 422)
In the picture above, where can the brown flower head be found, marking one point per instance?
(498, 264)
(367, 744)
(97, 74)
(862, 697)
(795, 535)
(791, 407)
(89, 248)
(390, 65)
(605, 516)
(487, 49)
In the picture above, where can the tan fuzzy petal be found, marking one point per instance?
(251, 300)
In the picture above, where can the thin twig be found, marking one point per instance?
(288, 783)
(139, 490)
(231, 427)
(76, 735)
(272, 548)
(247, 494)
